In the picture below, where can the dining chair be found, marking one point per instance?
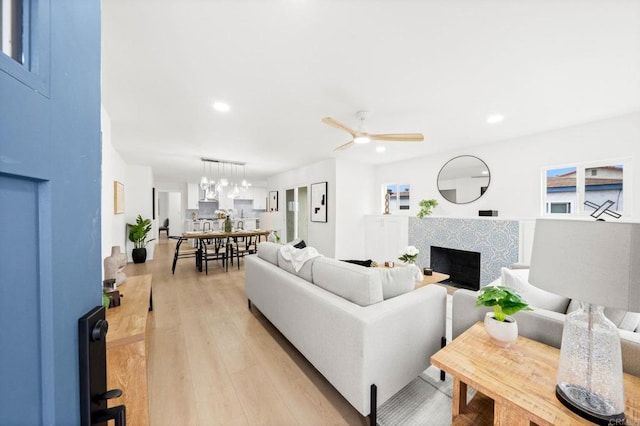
(164, 227)
(182, 252)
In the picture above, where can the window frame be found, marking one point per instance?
(34, 71)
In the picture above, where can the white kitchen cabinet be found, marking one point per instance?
(386, 237)
(193, 196)
(259, 196)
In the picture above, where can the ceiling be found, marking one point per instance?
(436, 67)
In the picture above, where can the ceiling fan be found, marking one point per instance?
(362, 136)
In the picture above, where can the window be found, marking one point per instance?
(399, 196)
(25, 42)
(555, 207)
(586, 188)
(11, 26)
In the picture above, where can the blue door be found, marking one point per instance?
(50, 156)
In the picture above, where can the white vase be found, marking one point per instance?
(502, 333)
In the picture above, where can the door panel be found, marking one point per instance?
(20, 300)
(50, 228)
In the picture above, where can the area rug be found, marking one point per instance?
(425, 401)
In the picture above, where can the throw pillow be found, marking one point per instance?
(518, 279)
(397, 281)
(300, 245)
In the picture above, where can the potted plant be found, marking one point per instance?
(425, 207)
(138, 236)
(502, 328)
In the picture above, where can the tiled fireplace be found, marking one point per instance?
(496, 241)
(462, 266)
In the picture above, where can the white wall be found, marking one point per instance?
(163, 205)
(138, 201)
(354, 199)
(113, 169)
(320, 235)
(515, 165)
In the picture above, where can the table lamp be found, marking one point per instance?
(598, 264)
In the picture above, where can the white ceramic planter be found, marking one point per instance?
(501, 333)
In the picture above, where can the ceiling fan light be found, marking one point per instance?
(361, 139)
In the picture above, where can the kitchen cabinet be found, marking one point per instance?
(386, 237)
(259, 196)
(193, 196)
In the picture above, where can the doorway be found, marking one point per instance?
(170, 206)
(297, 213)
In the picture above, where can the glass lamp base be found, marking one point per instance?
(579, 400)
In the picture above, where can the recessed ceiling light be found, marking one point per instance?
(380, 149)
(496, 118)
(221, 107)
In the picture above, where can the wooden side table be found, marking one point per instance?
(127, 349)
(435, 278)
(520, 379)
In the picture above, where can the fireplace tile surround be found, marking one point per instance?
(497, 240)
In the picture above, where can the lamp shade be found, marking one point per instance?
(591, 261)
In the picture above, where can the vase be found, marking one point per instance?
(502, 333)
(114, 265)
(139, 255)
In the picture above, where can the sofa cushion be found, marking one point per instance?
(269, 251)
(518, 279)
(305, 271)
(397, 281)
(352, 282)
(624, 320)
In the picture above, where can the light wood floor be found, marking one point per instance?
(214, 362)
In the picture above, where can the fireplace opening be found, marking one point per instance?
(463, 267)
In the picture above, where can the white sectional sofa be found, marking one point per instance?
(334, 313)
(545, 322)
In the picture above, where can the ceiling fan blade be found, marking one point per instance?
(401, 137)
(344, 146)
(335, 123)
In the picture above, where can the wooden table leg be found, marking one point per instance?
(459, 397)
(509, 415)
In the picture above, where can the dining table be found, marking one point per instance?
(227, 237)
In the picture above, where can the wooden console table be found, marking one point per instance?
(521, 381)
(127, 349)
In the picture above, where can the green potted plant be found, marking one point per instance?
(425, 207)
(138, 236)
(500, 326)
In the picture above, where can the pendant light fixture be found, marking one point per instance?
(214, 187)
(204, 182)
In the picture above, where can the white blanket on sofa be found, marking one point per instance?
(298, 257)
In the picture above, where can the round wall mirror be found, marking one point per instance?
(463, 179)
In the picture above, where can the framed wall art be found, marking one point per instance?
(118, 197)
(273, 201)
(319, 202)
